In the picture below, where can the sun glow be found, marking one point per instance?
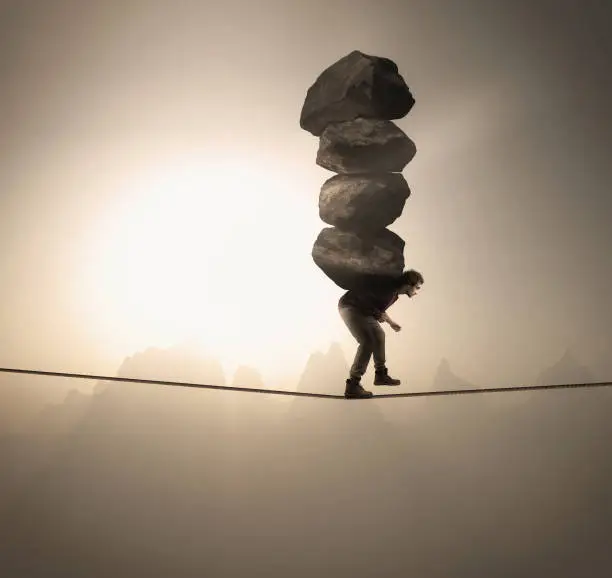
(217, 252)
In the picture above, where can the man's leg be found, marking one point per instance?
(361, 361)
(370, 337)
(381, 375)
(378, 344)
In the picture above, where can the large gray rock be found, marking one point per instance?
(363, 203)
(354, 261)
(363, 146)
(357, 85)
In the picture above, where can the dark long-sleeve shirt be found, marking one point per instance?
(369, 302)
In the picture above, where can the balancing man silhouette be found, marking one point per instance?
(363, 311)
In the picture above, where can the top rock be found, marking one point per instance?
(358, 85)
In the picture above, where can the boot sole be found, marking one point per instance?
(357, 396)
(389, 384)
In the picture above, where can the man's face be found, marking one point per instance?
(411, 290)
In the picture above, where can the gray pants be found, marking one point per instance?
(370, 336)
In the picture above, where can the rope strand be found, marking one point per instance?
(303, 393)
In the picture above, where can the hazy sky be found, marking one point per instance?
(156, 185)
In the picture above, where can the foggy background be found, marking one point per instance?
(107, 271)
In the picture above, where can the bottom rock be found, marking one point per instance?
(354, 261)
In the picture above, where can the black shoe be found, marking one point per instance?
(354, 390)
(382, 377)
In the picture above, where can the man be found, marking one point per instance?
(363, 311)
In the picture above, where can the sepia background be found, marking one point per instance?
(158, 206)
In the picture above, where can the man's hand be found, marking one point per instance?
(384, 318)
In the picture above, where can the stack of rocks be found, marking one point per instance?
(350, 107)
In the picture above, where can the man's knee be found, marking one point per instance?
(375, 332)
(379, 332)
(371, 339)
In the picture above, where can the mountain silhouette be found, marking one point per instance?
(174, 458)
(246, 376)
(566, 370)
(22, 397)
(177, 363)
(325, 372)
(158, 481)
(444, 378)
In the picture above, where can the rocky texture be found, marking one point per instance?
(364, 145)
(357, 85)
(350, 107)
(363, 203)
(353, 261)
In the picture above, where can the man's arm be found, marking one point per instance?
(377, 303)
(385, 318)
(382, 316)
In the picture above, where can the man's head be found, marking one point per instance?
(410, 282)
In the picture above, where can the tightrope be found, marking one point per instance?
(305, 393)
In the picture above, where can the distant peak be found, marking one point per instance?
(446, 378)
(334, 346)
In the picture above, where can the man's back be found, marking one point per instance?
(369, 302)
